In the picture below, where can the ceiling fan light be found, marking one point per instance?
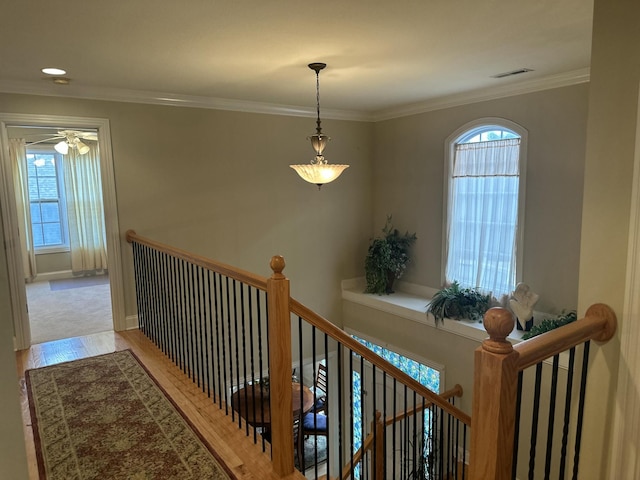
(82, 147)
(62, 147)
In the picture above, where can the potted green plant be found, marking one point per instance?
(549, 324)
(458, 303)
(387, 258)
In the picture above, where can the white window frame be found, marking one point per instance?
(64, 224)
(449, 146)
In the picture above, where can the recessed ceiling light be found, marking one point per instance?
(53, 71)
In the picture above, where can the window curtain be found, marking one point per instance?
(85, 211)
(18, 159)
(483, 216)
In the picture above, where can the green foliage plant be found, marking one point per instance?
(458, 303)
(387, 255)
(549, 324)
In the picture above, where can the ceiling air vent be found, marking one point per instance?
(513, 72)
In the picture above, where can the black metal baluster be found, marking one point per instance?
(302, 465)
(251, 354)
(170, 306)
(167, 304)
(567, 414)
(552, 414)
(138, 281)
(339, 409)
(144, 322)
(208, 332)
(516, 436)
(193, 354)
(153, 271)
(225, 366)
(204, 355)
(374, 423)
(180, 313)
(534, 421)
(326, 402)
(464, 450)
(244, 345)
(232, 302)
(352, 431)
(160, 321)
(185, 314)
(222, 376)
(583, 386)
(395, 426)
(260, 364)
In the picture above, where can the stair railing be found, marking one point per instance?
(498, 387)
(211, 320)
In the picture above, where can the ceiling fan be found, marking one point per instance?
(71, 139)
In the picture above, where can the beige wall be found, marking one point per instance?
(409, 178)
(218, 183)
(53, 262)
(613, 104)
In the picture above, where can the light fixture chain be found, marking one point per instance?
(318, 127)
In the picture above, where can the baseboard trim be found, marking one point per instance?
(60, 275)
(131, 322)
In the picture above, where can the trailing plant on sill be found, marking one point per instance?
(458, 303)
(549, 324)
(387, 258)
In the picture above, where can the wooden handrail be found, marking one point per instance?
(243, 276)
(340, 336)
(598, 324)
(497, 363)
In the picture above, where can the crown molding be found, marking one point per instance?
(175, 100)
(553, 81)
(170, 99)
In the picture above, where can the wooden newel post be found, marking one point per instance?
(280, 362)
(494, 400)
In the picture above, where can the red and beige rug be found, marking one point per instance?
(105, 418)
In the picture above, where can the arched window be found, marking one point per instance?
(484, 206)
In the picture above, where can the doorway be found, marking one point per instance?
(12, 219)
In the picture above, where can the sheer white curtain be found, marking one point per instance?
(483, 216)
(18, 158)
(85, 211)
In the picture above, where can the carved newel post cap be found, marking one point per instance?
(499, 323)
(277, 265)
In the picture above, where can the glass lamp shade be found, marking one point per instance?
(82, 148)
(62, 147)
(319, 174)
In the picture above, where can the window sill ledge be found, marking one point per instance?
(410, 301)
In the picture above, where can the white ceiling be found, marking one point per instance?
(383, 56)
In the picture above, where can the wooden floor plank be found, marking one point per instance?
(246, 460)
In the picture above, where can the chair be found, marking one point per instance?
(320, 390)
(312, 424)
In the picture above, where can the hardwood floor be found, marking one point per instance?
(246, 460)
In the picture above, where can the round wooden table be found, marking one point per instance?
(252, 403)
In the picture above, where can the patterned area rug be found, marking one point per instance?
(106, 418)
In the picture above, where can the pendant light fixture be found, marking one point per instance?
(318, 171)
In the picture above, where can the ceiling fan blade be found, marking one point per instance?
(45, 140)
